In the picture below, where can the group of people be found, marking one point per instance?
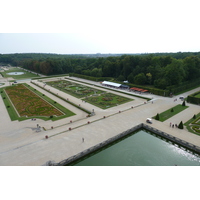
(173, 125)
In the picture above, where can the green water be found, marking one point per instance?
(141, 149)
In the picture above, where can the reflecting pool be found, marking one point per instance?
(141, 148)
(15, 73)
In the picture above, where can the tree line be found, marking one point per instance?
(155, 70)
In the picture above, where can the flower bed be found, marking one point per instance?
(107, 100)
(96, 97)
(74, 89)
(27, 103)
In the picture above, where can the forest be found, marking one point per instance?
(165, 71)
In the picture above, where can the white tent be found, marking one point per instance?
(107, 83)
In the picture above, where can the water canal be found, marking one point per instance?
(141, 148)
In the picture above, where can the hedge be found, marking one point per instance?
(91, 78)
(177, 89)
(192, 99)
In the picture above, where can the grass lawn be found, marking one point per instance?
(168, 113)
(198, 96)
(26, 74)
(29, 103)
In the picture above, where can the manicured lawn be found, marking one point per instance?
(198, 96)
(29, 103)
(168, 113)
(74, 89)
(26, 74)
(107, 100)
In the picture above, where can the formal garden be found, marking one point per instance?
(23, 101)
(93, 96)
(74, 89)
(193, 125)
(18, 73)
(107, 100)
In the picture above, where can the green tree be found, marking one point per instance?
(180, 126)
(140, 79)
(130, 78)
(86, 72)
(121, 78)
(192, 65)
(45, 68)
(156, 72)
(174, 72)
(161, 83)
(96, 72)
(157, 117)
(108, 69)
(149, 78)
(126, 63)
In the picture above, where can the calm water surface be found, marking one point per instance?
(141, 149)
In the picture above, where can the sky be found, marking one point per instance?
(106, 26)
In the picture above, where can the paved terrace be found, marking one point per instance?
(20, 144)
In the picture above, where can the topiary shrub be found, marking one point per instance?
(194, 117)
(51, 116)
(157, 117)
(180, 126)
(172, 110)
(183, 104)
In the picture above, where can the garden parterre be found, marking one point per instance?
(74, 89)
(193, 125)
(93, 96)
(28, 103)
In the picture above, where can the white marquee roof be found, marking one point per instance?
(111, 83)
